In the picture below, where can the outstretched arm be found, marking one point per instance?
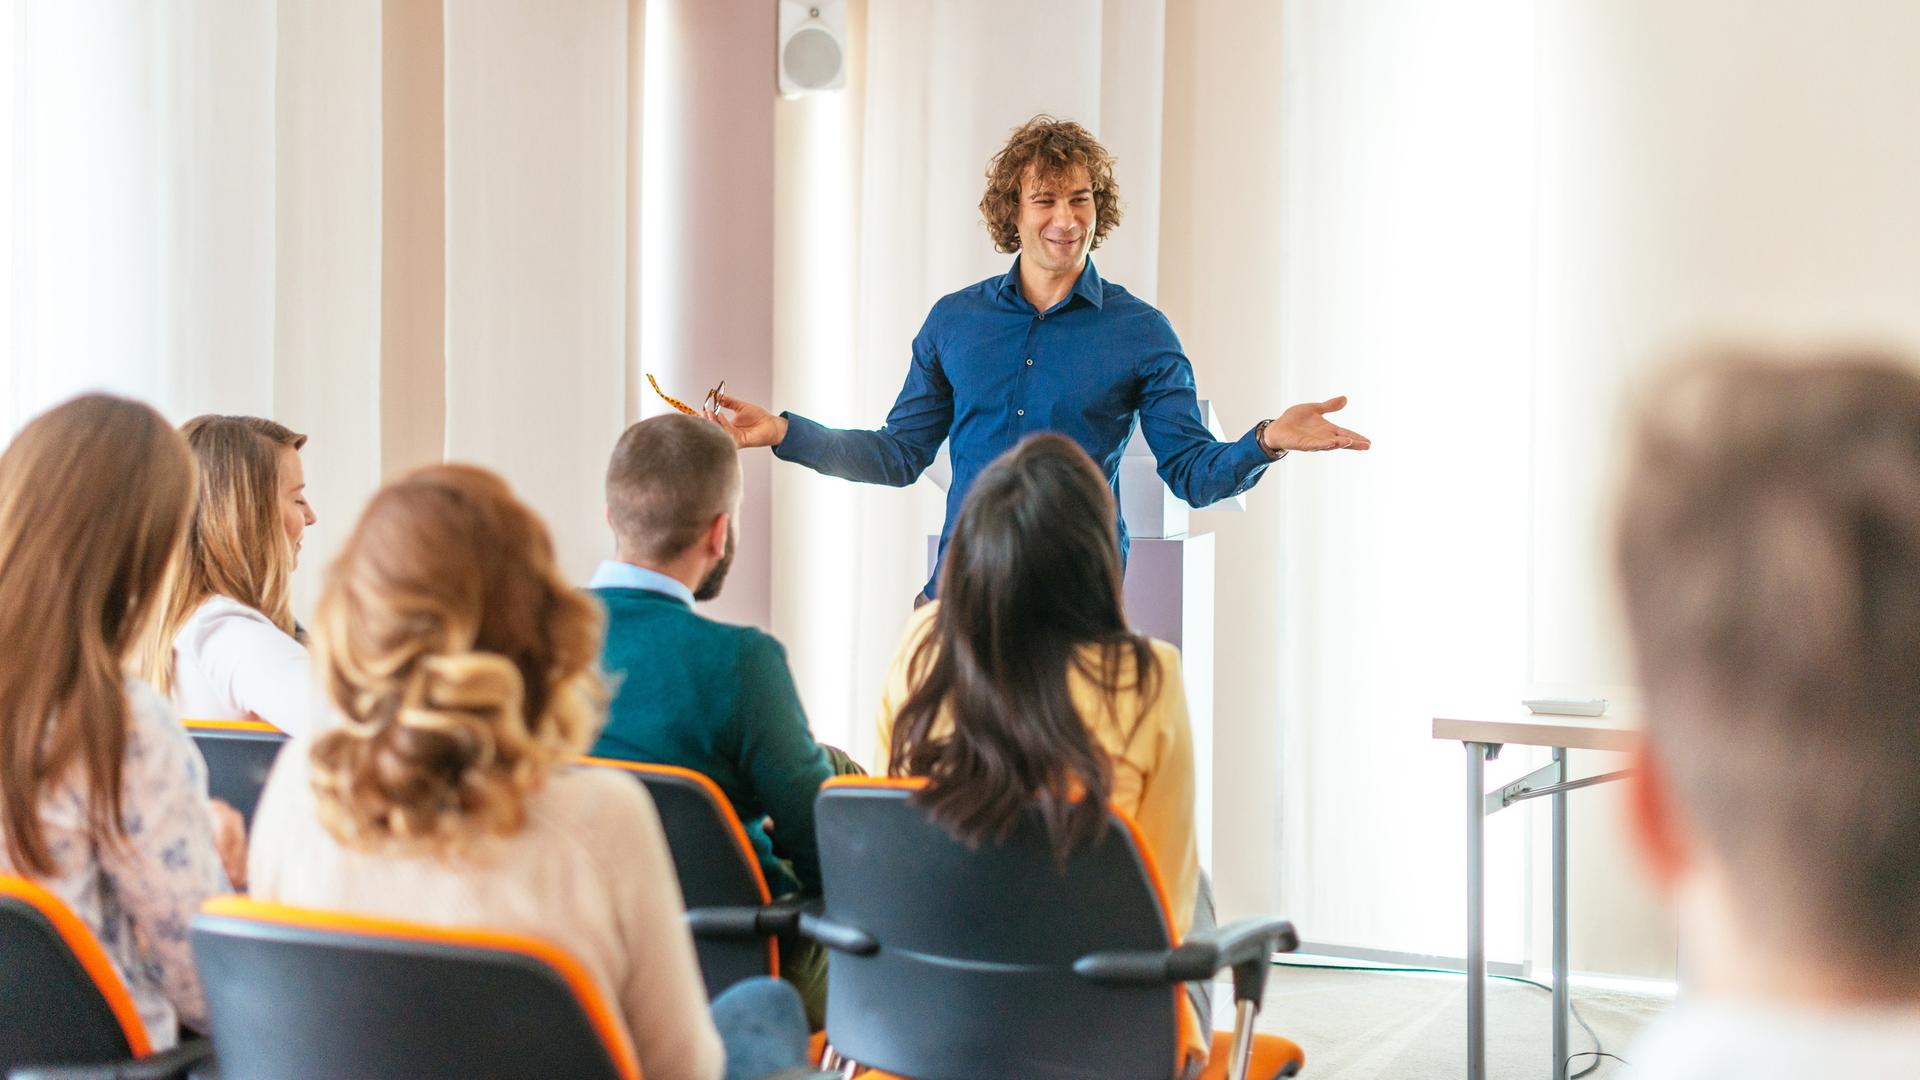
(1201, 469)
(896, 454)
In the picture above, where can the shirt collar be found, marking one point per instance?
(620, 575)
(1090, 287)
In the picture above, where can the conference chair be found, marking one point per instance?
(1000, 961)
(239, 754)
(63, 1010)
(717, 868)
(298, 994)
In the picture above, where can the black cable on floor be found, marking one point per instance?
(1598, 1053)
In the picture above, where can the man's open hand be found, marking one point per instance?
(1306, 427)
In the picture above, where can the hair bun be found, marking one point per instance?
(474, 682)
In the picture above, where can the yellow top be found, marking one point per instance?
(1152, 770)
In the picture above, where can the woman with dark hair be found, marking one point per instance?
(1023, 684)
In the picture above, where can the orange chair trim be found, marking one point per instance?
(232, 725)
(613, 1034)
(714, 793)
(1188, 1026)
(1188, 1029)
(725, 808)
(1271, 1053)
(93, 959)
(883, 783)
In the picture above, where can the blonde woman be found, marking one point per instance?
(224, 647)
(102, 795)
(462, 670)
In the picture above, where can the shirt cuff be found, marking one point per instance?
(805, 440)
(1259, 454)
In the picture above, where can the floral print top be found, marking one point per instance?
(138, 894)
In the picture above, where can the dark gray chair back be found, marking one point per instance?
(239, 755)
(973, 974)
(305, 995)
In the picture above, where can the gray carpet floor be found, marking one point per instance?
(1380, 1025)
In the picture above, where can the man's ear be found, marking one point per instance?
(717, 535)
(1654, 821)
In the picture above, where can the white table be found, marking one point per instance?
(1484, 733)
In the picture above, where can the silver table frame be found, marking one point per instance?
(1483, 740)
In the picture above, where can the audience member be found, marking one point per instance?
(224, 647)
(461, 669)
(1023, 682)
(1768, 546)
(102, 795)
(698, 693)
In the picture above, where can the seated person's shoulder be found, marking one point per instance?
(1168, 654)
(151, 723)
(223, 617)
(599, 791)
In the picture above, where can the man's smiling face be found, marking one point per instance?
(1056, 220)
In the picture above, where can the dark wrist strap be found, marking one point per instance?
(1259, 440)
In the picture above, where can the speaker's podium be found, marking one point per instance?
(1169, 593)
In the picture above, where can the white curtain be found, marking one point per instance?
(195, 215)
(536, 255)
(143, 209)
(192, 212)
(1407, 205)
(1495, 217)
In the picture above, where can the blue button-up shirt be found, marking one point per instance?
(989, 370)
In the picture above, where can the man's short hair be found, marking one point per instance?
(669, 478)
(1052, 149)
(1769, 550)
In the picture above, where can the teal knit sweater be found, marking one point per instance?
(718, 699)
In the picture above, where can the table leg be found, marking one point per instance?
(1560, 989)
(1476, 913)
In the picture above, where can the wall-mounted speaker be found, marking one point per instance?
(813, 46)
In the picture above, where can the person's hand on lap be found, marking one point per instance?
(230, 840)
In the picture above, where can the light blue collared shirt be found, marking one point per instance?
(618, 575)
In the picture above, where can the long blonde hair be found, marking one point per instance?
(236, 544)
(94, 497)
(463, 666)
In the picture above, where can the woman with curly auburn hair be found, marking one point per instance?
(1049, 345)
(462, 671)
(224, 646)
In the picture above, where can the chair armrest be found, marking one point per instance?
(780, 919)
(1247, 946)
(837, 936)
(1242, 940)
(171, 1064)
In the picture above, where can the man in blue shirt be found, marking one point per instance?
(1047, 346)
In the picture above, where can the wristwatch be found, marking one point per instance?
(1260, 430)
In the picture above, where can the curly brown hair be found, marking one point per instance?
(1052, 149)
(463, 666)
